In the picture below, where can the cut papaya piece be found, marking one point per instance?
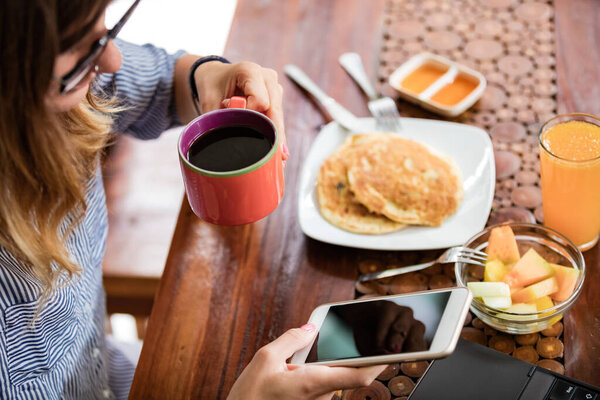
(531, 268)
(502, 245)
(567, 279)
(533, 292)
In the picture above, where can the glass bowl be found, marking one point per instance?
(554, 248)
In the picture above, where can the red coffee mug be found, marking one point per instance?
(233, 197)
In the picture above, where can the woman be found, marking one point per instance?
(65, 85)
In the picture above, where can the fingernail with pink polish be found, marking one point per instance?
(286, 151)
(308, 327)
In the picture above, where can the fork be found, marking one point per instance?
(452, 255)
(382, 108)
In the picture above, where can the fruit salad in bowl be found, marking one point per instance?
(532, 276)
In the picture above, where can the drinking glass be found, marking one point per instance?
(570, 171)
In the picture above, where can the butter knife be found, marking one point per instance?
(338, 113)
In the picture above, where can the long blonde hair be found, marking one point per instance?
(46, 159)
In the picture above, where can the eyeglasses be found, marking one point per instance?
(83, 67)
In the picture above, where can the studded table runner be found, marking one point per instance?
(511, 42)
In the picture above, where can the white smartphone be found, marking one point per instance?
(382, 330)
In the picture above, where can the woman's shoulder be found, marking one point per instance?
(17, 286)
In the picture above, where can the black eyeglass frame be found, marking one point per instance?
(83, 67)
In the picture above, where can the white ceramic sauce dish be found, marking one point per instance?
(434, 95)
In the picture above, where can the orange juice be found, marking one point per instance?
(422, 77)
(570, 169)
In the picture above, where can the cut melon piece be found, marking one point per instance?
(497, 301)
(554, 320)
(544, 303)
(495, 270)
(515, 289)
(567, 279)
(502, 245)
(531, 268)
(489, 289)
(522, 308)
(535, 291)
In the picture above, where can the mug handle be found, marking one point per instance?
(237, 102)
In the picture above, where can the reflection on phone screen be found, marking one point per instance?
(391, 326)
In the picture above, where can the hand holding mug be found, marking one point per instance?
(218, 82)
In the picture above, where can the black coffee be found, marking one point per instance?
(228, 148)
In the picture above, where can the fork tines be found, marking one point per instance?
(386, 114)
(473, 253)
(471, 256)
(467, 260)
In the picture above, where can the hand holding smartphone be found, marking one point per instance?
(382, 330)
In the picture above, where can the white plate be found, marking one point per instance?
(469, 146)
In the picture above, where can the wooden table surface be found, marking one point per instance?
(227, 291)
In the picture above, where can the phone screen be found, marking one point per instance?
(398, 325)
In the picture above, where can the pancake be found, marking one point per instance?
(337, 203)
(404, 180)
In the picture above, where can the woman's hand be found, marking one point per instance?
(217, 82)
(269, 377)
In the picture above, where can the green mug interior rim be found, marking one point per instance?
(236, 172)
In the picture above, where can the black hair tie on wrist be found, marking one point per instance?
(195, 65)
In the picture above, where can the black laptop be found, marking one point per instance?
(475, 372)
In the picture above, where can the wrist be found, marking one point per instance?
(192, 75)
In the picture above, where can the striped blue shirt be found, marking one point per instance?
(64, 353)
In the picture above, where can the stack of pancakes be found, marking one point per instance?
(380, 182)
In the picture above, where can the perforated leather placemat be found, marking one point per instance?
(512, 43)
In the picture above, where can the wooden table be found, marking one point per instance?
(227, 291)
